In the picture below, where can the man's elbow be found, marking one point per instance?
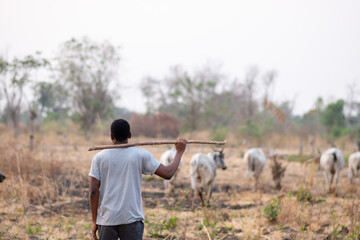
(168, 176)
(94, 192)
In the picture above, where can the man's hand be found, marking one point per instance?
(167, 172)
(94, 229)
(180, 145)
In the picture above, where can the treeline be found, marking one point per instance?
(207, 100)
(76, 86)
(72, 87)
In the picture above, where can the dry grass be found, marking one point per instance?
(45, 196)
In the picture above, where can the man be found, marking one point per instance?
(115, 185)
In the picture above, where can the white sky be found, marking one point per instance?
(314, 45)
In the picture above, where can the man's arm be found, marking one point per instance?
(167, 172)
(94, 201)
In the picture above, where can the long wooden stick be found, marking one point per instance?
(153, 143)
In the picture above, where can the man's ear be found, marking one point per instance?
(113, 139)
(129, 135)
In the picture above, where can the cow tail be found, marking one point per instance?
(335, 157)
(252, 163)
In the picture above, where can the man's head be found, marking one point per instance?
(120, 130)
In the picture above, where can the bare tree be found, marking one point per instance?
(250, 85)
(268, 81)
(153, 92)
(351, 100)
(32, 117)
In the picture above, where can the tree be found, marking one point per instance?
(268, 82)
(16, 75)
(52, 100)
(182, 94)
(250, 86)
(333, 119)
(152, 91)
(88, 68)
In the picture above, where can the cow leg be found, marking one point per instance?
(327, 179)
(336, 178)
(209, 194)
(201, 197)
(193, 199)
(166, 187)
(351, 175)
(331, 182)
(256, 181)
(194, 190)
(171, 185)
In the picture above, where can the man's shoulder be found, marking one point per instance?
(122, 151)
(140, 151)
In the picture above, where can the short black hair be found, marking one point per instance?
(120, 129)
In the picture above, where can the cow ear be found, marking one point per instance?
(319, 151)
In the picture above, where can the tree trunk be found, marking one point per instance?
(66, 141)
(301, 146)
(15, 120)
(312, 144)
(31, 135)
(33, 116)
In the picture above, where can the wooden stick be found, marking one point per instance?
(153, 143)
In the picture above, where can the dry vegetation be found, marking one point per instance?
(45, 196)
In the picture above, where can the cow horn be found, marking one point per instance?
(222, 149)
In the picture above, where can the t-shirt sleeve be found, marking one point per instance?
(95, 167)
(149, 163)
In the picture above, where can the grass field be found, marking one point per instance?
(45, 196)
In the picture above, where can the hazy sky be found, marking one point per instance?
(313, 45)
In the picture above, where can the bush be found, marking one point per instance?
(303, 195)
(219, 134)
(272, 210)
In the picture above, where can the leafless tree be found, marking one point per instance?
(268, 81)
(250, 86)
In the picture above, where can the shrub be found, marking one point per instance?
(272, 210)
(303, 195)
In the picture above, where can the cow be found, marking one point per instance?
(354, 166)
(255, 161)
(203, 172)
(331, 163)
(166, 158)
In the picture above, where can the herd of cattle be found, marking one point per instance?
(203, 168)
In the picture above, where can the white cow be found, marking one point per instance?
(255, 161)
(354, 166)
(203, 172)
(331, 163)
(166, 158)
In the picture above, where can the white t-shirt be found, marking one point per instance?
(120, 174)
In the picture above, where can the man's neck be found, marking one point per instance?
(121, 142)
